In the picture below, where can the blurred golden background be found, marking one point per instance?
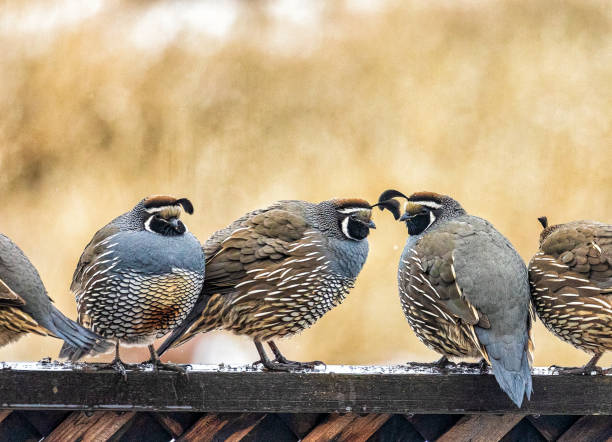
(506, 106)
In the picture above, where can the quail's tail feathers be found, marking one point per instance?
(191, 318)
(511, 365)
(78, 341)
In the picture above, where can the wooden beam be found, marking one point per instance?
(96, 426)
(341, 389)
(593, 428)
(481, 428)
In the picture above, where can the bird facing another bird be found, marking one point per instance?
(275, 271)
(464, 288)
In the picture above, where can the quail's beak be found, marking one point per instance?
(405, 217)
(174, 222)
(371, 225)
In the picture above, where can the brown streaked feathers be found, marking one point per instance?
(255, 261)
(429, 290)
(571, 283)
(13, 320)
(8, 296)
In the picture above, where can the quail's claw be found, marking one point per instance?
(118, 366)
(278, 366)
(586, 370)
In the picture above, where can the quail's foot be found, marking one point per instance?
(118, 366)
(586, 370)
(159, 365)
(274, 366)
(279, 358)
(442, 364)
(481, 365)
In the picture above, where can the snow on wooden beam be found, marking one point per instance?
(343, 389)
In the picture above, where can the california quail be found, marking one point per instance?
(25, 306)
(139, 276)
(464, 289)
(571, 285)
(275, 271)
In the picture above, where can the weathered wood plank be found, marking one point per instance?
(362, 428)
(330, 428)
(338, 389)
(227, 427)
(551, 427)
(589, 428)
(88, 428)
(170, 424)
(4, 414)
(481, 428)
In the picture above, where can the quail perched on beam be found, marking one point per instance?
(139, 276)
(571, 285)
(275, 271)
(464, 289)
(25, 306)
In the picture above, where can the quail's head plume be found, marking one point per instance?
(140, 275)
(25, 306)
(275, 271)
(464, 288)
(571, 285)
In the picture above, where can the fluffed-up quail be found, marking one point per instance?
(464, 289)
(139, 276)
(275, 271)
(571, 285)
(25, 306)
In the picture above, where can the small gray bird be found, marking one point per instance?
(139, 276)
(464, 289)
(275, 271)
(25, 306)
(571, 282)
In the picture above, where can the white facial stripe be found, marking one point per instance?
(429, 204)
(345, 231)
(352, 210)
(147, 224)
(432, 218)
(159, 209)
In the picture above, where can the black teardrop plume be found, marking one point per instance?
(391, 205)
(544, 221)
(391, 193)
(186, 204)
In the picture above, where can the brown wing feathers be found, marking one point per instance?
(8, 296)
(433, 301)
(12, 317)
(255, 264)
(571, 277)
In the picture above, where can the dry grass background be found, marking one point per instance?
(506, 106)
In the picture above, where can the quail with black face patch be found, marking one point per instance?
(275, 271)
(25, 306)
(571, 286)
(139, 276)
(464, 289)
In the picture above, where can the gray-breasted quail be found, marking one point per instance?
(25, 306)
(140, 275)
(275, 271)
(464, 289)
(571, 285)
